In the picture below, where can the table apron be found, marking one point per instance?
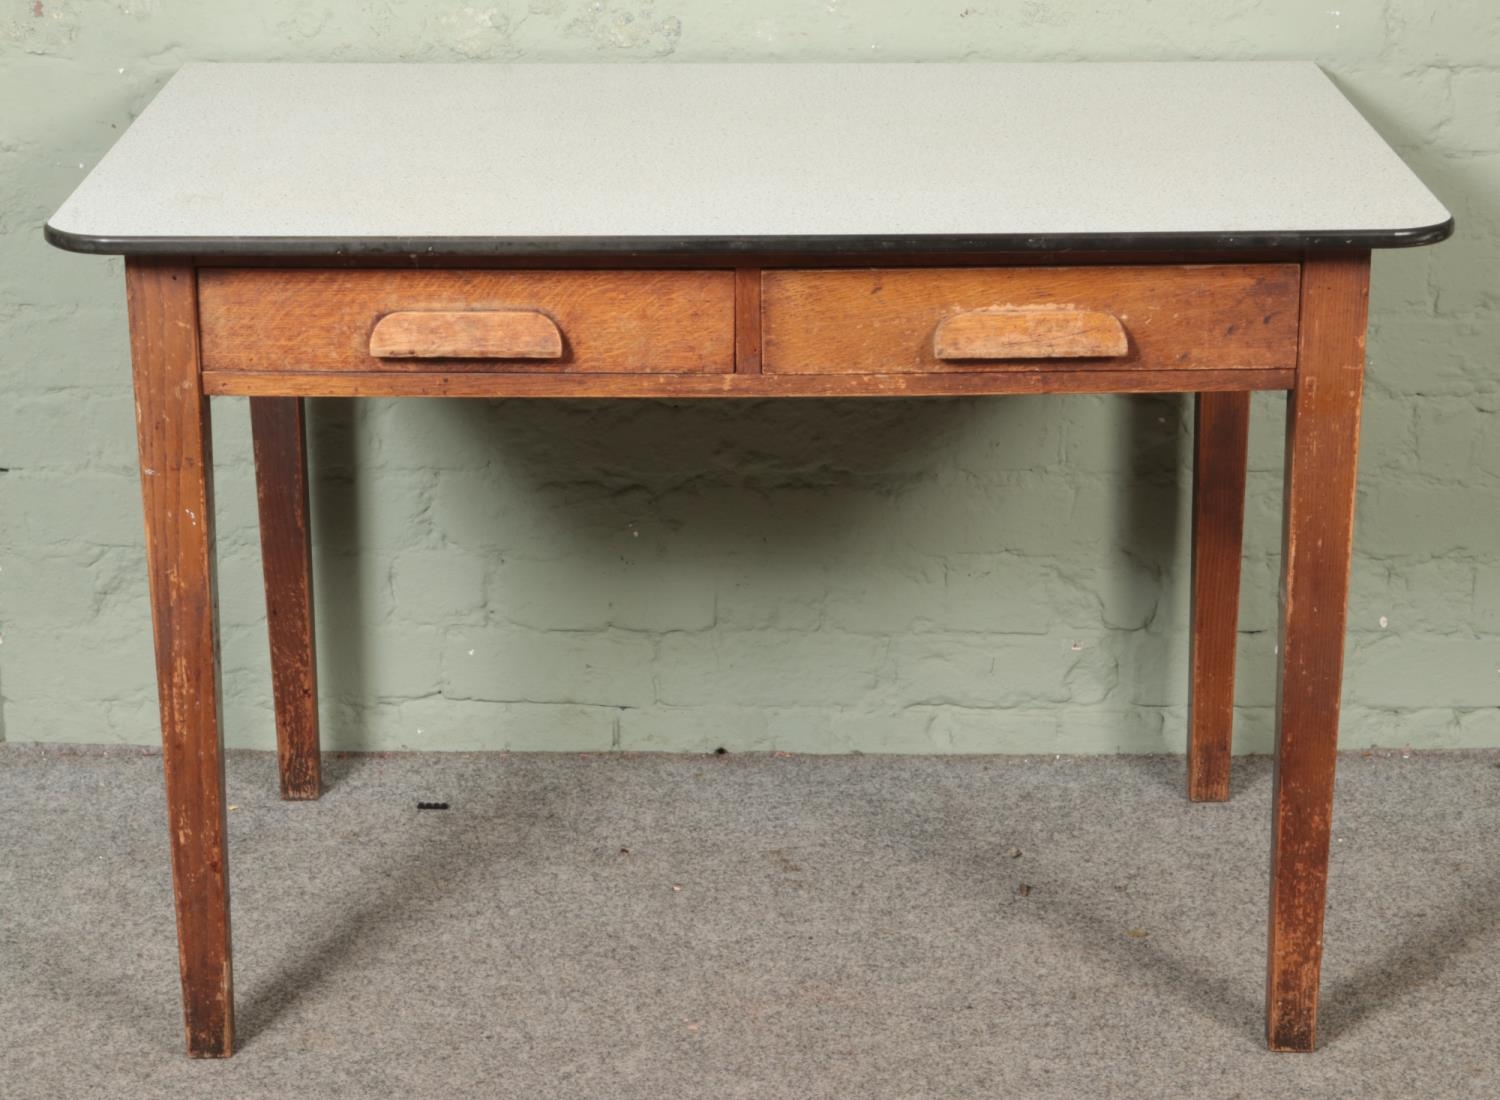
(417, 384)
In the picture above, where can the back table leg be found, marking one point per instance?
(1322, 446)
(177, 487)
(280, 435)
(1221, 429)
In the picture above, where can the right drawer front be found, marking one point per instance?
(890, 320)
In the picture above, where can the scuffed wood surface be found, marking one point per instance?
(489, 384)
(1322, 447)
(279, 431)
(747, 320)
(1030, 332)
(1221, 436)
(299, 319)
(177, 486)
(472, 334)
(1189, 317)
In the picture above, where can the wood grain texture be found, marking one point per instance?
(172, 424)
(471, 334)
(1221, 435)
(470, 384)
(1189, 317)
(1322, 447)
(279, 431)
(747, 320)
(309, 320)
(1030, 332)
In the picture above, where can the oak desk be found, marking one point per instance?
(749, 230)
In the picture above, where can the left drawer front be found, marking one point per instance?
(610, 322)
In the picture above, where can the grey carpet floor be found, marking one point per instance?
(748, 926)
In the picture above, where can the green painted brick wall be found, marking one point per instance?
(945, 575)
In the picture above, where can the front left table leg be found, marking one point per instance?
(172, 423)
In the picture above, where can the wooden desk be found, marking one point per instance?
(749, 230)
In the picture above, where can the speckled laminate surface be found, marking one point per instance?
(322, 158)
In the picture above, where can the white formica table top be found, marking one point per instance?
(480, 158)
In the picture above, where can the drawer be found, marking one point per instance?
(927, 320)
(560, 322)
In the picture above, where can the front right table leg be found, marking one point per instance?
(1322, 446)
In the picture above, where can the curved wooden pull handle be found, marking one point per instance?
(1030, 332)
(472, 334)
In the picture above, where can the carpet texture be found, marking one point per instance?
(621, 927)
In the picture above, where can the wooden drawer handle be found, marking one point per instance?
(472, 334)
(1030, 332)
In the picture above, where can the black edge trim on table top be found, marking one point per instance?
(686, 246)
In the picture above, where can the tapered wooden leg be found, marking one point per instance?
(177, 487)
(1221, 431)
(280, 435)
(1322, 446)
